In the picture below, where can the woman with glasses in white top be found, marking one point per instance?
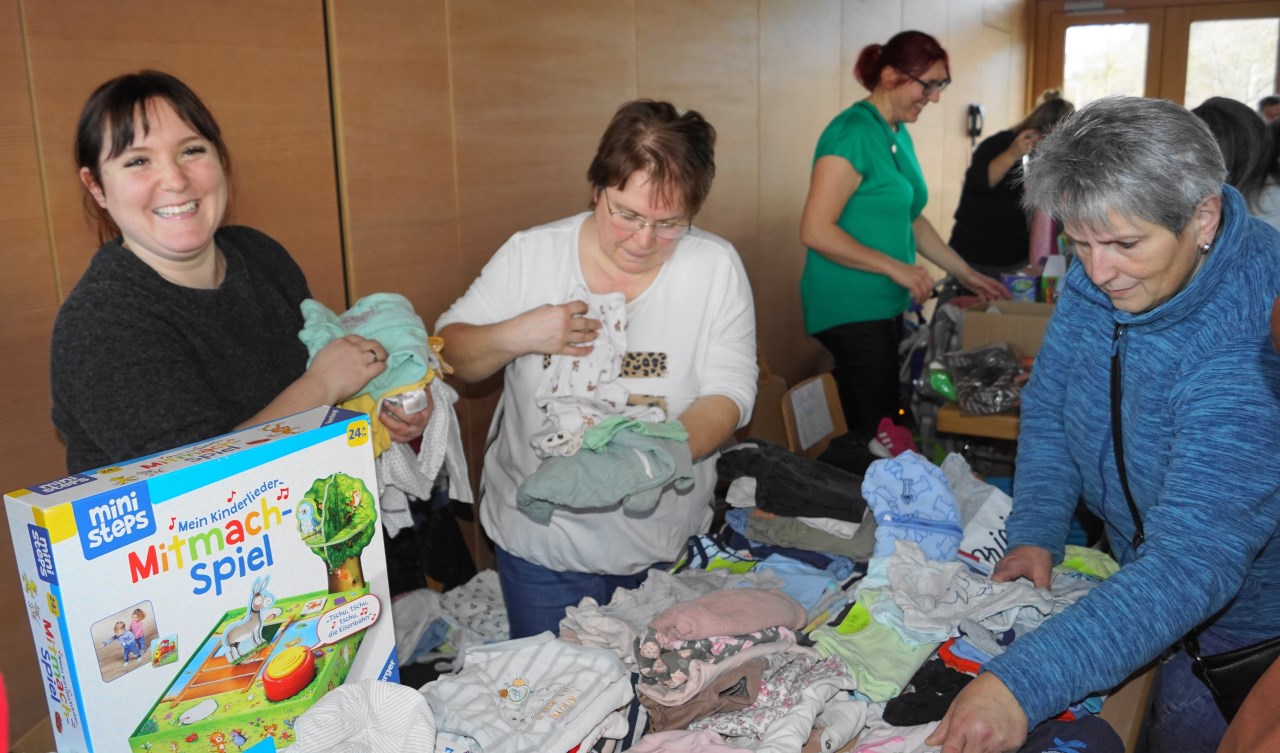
(682, 329)
(863, 225)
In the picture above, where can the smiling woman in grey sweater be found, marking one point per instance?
(180, 331)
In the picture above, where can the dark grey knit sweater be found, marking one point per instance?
(140, 365)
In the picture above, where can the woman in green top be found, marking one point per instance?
(863, 226)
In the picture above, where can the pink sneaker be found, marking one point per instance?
(890, 440)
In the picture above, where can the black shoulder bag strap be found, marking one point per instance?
(1230, 675)
(1117, 435)
(1117, 445)
(1189, 642)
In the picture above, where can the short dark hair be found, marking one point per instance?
(911, 52)
(1244, 141)
(676, 148)
(1268, 101)
(1273, 154)
(114, 105)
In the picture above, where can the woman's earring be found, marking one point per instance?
(1204, 249)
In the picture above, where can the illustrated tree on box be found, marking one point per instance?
(338, 518)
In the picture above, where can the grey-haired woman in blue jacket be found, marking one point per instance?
(1175, 279)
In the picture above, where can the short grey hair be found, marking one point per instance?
(1147, 159)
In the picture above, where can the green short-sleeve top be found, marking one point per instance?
(879, 215)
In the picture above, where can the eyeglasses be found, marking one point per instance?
(629, 223)
(931, 87)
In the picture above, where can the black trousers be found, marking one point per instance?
(866, 371)
(794, 485)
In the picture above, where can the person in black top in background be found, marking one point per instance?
(992, 232)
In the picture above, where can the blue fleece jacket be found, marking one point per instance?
(1201, 420)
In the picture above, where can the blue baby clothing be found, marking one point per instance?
(913, 502)
(128, 645)
(802, 582)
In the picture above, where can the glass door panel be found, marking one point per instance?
(1233, 58)
(1104, 59)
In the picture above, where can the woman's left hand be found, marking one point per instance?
(406, 427)
(987, 288)
(983, 718)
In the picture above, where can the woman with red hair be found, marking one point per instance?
(862, 225)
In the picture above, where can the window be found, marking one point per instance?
(1175, 49)
(1233, 58)
(1103, 59)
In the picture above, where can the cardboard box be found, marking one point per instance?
(1018, 323)
(251, 565)
(1126, 707)
(766, 416)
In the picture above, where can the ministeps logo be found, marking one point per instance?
(113, 519)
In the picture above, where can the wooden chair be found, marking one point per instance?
(812, 415)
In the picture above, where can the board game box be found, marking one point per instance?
(202, 599)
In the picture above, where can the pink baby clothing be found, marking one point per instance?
(731, 612)
(685, 741)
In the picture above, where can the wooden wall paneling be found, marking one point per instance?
(929, 132)
(393, 122)
(801, 75)
(1021, 49)
(979, 58)
(261, 68)
(864, 22)
(1040, 76)
(719, 39)
(29, 451)
(534, 86)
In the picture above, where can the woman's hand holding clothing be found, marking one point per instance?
(343, 367)
(985, 717)
(478, 351)
(563, 330)
(1031, 562)
(339, 370)
(406, 427)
